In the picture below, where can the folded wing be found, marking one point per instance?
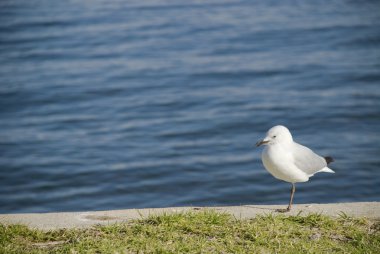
(306, 160)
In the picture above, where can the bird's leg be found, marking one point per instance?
(291, 196)
(290, 201)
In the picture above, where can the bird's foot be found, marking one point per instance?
(283, 210)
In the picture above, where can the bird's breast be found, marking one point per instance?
(278, 161)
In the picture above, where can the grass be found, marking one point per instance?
(203, 232)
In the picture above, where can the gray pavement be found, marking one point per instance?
(47, 221)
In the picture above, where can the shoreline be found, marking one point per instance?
(60, 220)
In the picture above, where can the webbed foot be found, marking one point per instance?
(283, 210)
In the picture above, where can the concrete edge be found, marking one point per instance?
(51, 221)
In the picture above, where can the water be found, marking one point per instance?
(115, 104)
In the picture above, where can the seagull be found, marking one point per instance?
(289, 161)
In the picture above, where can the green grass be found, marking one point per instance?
(203, 232)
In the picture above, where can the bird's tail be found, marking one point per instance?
(328, 161)
(327, 170)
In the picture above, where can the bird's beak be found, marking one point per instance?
(262, 142)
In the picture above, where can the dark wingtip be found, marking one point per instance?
(329, 159)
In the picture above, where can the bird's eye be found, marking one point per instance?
(274, 136)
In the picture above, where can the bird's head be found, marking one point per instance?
(275, 135)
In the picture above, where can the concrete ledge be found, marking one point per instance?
(47, 221)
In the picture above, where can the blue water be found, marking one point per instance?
(131, 104)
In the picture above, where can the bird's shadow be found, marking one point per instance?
(261, 208)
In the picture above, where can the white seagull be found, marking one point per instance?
(289, 161)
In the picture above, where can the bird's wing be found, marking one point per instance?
(306, 160)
